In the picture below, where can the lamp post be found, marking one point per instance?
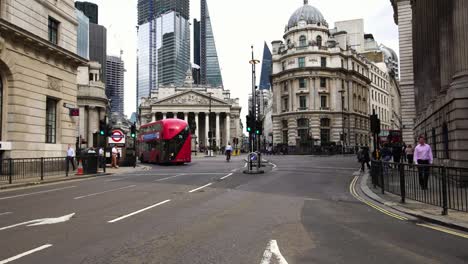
(253, 62)
(342, 91)
(210, 135)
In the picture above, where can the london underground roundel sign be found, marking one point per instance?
(117, 137)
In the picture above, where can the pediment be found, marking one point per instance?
(190, 98)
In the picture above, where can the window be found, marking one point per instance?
(325, 122)
(285, 87)
(323, 102)
(285, 136)
(323, 82)
(325, 135)
(323, 62)
(285, 124)
(342, 64)
(302, 102)
(51, 121)
(284, 65)
(302, 83)
(352, 66)
(303, 123)
(302, 41)
(285, 104)
(319, 41)
(91, 77)
(301, 62)
(53, 30)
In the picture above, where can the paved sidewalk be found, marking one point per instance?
(454, 219)
(52, 179)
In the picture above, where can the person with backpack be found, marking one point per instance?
(364, 158)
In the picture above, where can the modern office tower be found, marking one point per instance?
(149, 9)
(82, 34)
(91, 10)
(267, 64)
(209, 63)
(115, 83)
(163, 45)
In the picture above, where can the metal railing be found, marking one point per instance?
(445, 187)
(14, 170)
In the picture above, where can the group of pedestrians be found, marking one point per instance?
(421, 155)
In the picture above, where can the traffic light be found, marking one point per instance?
(259, 127)
(133, 131)
(102, 127)
(249, 123)
(375, 124)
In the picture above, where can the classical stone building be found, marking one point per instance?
(320, 85)
(92, 102)
(194, 103)
(434, 55)
(38, 73)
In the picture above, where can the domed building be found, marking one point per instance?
(320, 86)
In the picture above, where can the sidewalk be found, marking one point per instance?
(426, 212)
(53, 179)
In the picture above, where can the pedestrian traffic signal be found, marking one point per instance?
(133, 131)
(259, 127)
(102, 127)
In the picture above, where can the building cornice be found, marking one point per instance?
(335, 70)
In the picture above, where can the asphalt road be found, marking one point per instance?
(300, 211)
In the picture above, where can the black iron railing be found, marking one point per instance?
(446, 187)
(15, 170)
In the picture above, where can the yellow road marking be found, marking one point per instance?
(441, 229)
(353, 192)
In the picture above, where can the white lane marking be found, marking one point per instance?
(245, 165)
(273, 253)
(274, 165)
(34, 193)
(94, 194)
(171, 177)
(6, 213)
(227, 176)
(42, 221)
(199, 188)
(25, 254)
(234, 170)
(139, 211)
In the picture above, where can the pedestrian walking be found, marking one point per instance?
(423, 158)
(364, 158)
(102, 159)
(403, 152)
(396, 153)
(386, 158)
(409, 152)
(114, 157)
(70, 157)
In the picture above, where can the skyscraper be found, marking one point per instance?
(115, 83)
(91, 10)
(209, 63)
(163, 44)
(267, 64)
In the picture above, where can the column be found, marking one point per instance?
(186, 116)
(218, 138)
(460, 38)
(228, 128)
(91, 119)
(207, 128)
(164, 115)
(153, 117)
(197, 128)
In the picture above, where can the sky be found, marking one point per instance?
(238, 25)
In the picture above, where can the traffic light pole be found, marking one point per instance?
(252, 135)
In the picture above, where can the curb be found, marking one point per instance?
(423, 216)
(35, 183)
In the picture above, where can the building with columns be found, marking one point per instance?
(436, 56)
(38, 76)
(320, 85)
(204, 107)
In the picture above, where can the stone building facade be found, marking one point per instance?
(439, 61)
(38, 71)
(194, 104)
(320, 85)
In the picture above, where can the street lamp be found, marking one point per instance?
(253, 62)
(342, 91)
(210, 135)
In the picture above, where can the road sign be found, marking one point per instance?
(117, 137)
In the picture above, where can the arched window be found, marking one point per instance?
(319, 41)
(302, 41)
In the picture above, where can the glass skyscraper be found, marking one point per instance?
(82, 34)
(210, 71)
(267, 66)
(163, 45)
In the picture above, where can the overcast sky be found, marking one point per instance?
(237, 25)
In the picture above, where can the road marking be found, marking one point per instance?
(352, 190)
(245, 166)
(25, 254)
(199, 188)
(6, 213)
(42, 221)
(94, 194)
(274, 165)
(34, 193)
(445, 230)
(227, 176)
(139, 211)
(272, 254)
(171, 177)
(234, 170)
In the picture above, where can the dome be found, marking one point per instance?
(389, 53)
(307, 13)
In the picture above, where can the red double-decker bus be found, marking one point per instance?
(165, 141)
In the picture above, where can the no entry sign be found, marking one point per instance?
(117, 137)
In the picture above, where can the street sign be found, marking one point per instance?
(117, 137)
